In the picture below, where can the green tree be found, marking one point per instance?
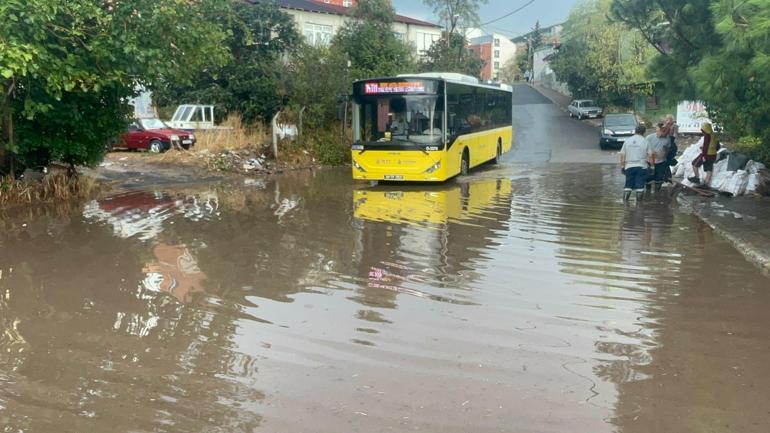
(599, 58)
(681, 32)
(251, 82)
(452, 57)
(68, 66)
(369, 44)
(523, 59)
(716, 51)
(455, 12)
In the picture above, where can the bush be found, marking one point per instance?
(755, 148)
(328, 146)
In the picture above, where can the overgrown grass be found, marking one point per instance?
(233, 134)
(329, 146)
(52, 187)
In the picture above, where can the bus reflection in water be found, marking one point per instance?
(422, 241)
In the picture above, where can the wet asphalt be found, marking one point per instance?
(545, 133)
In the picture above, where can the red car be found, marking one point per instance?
(154, 136)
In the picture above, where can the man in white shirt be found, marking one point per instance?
(659, 143)
(635, 157)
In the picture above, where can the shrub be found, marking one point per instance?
(755, 148)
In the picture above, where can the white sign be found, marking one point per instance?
(690, 115)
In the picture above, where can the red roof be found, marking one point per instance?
(311, 6)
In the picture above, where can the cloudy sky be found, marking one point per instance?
(547, 11)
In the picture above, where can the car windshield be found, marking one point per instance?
(152, 124)
(412, 118)
(588, 104)
(623, 120)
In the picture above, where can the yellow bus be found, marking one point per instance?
(428, 127)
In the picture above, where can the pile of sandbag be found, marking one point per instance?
(732, 173)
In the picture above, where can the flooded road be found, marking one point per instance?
(519, 299)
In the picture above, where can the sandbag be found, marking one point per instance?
(737, 161)
(737, 184)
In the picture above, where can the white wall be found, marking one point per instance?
(507, 52)
(421, 37)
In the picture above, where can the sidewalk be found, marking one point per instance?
(741, 220)
(561, 100)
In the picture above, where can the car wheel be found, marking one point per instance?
(602, 145)
(570, 114)
(499, 153)
(465, 163)
(186, 146)
(156, 146)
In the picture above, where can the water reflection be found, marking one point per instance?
(510, 300)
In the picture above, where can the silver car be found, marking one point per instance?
(584, 109)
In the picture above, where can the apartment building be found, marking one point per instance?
(495, 50)
(319, 20)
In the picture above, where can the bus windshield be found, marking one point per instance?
(414, 119)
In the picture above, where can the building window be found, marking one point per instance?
(497, 54)
(400, 36)
(318, 34)
(347, 3)
(497, 42)
(497, 65)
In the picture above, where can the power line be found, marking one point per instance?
(509, 13)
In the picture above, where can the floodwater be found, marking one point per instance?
(520, 299)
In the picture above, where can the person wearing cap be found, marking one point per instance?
(635, 157)
(707, 157)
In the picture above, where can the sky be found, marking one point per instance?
(549, 12)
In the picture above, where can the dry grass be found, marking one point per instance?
(233, 135)
(53, 187)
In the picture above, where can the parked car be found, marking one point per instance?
(154, 136)
(616, 128)
(192, 117)
(584, 108)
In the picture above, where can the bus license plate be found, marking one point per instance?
(394, 177)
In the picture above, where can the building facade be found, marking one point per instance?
(319, 20)
(495, 50)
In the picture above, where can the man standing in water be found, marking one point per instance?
(635, 156)
(659, 144)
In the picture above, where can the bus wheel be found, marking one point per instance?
(465, 163)
(499, 152)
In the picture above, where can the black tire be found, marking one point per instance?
(186, 146)
(465, 163)
(499, 153)
(155, 146)
(602, 146)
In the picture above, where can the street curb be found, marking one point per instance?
(759, 258)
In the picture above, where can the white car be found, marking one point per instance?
(584, 109)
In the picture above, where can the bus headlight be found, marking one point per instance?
(433, 167)
(358, 167)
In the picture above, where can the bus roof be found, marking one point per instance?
(450, 77)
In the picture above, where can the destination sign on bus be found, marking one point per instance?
(394, 87)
